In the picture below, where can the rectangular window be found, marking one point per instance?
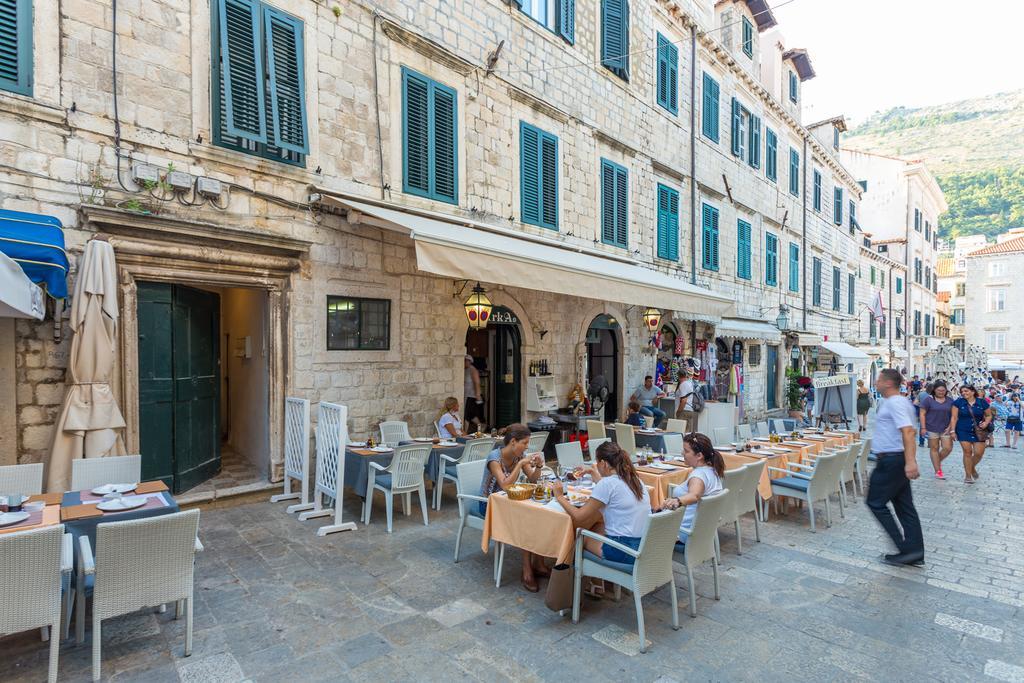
(771, 259)
(743, 249)
(997, 269)
(16, 46)
(917, 270)
(668, 74)
(917, 323)
(746, 135)
(927, 324)
(816, 281)
(872, 271)
(837, 205)
(917, 220)
(538, 176)
(927, 231)
(881, 329)
(771, 154)
(794, 172)
(816, 175)
(835, 138)
(958, 316)
(836, 289)
(961, 289)
(558, 16)
(709, 228)
(793, 87)
(794, 267)
(429, 129)
(259, 104)
(748, 37)
(668, 223)
(899, 285)
(881, 278)
(615, 37)
(614, 204)
(853, 216)
(928, 277)
(358, 324)
(996, 300)
(871, 325)
(851, 291)
(709, 110)
(996, 341)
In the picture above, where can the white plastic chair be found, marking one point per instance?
(821, 483)
(394, 432)
(475, 449)
(537, 442)
(403, 475)
(744, 433)
(673, 444)
(778, 426)
(569, 454)
(470, 475)
(762, 429)
(26, 480)
(441, 435)
(861, 464)
(140, 563)
(596, 430)
(625, 438)
(742, 482)
(651, 570)
(701, 544)
(649, 421)
(296, 454)
(31, 563)
(593, 445)
(675, 425)
(722, 436)
(88, 473)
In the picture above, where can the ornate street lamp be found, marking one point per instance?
(782, 319)
(652, 319)
(478, 308)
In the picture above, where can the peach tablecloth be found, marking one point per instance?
(530, 526)
(51, 516)
(764, 487)
(813, 448)
(659, 481)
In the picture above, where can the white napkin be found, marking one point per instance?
(662, 466)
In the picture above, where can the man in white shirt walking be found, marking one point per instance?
(895, 446)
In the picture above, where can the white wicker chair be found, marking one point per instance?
(722, 436)
(596, 430)
(743, 483)
(537, 442)
(675, 425)
(701, 545)
(744, 433)
(821, 483)
(849, 455)
(778, 426)
(31, 564)
(593, 445)
(140, 563)
(625, 438)
(471, 474)
(88, 473)
(569, 454)
(403, 475)
(649, 421)
(651, 570)
(673, 444)
(394, 432)
(475, 449)
(861, 464)
(762, 428)
(24, 479)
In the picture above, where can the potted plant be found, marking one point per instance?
(793, 394)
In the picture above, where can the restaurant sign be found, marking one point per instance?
(503, 316)
(833, 381)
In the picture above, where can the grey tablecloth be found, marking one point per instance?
(87, 527)
(357, 466)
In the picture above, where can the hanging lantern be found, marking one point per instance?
(478, 308)
(652, 318)
(782, 319)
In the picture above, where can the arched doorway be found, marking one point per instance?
(603, 361)
(496, 352)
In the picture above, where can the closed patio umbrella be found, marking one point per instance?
(90, 420)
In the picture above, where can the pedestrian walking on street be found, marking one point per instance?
(971, 414)
(893, 444)
(1015, 419)
(863, 405)
(935, 412)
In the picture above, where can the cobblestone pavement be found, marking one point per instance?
(275, 602)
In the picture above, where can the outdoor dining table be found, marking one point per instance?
(659, 480)
(357, 466)
(37, 519)
(535, 527)
(764, 486)
(804, 448)
(78, 511)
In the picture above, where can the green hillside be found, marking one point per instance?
(975, 148)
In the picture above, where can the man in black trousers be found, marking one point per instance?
(894, 444)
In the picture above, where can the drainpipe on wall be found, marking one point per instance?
(910, 281)
(803, 236)
(693, 159)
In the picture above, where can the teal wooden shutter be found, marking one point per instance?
(709, 118)
(836, 286)
(615, 36)
(771, 266)
(748, 37)
(709, 223)
(668, 223)
(549, 181)
(445, 163)
(837, 205)
(714, 239)
(607, 203)
(621, 207)
(416, 133)
(567, 20)
(736, 124)
(817, 191)
(743, 234)
(754, 153)
(794, 172)
(16, 46)
(241, 57)
(771, 152)
(816, 287)
(667, 74)
(287, 80)
(529, 173)
(614, 204)
(850, 293)
(794, 268)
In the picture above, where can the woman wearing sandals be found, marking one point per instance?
(936, 410)
(970, 413)
(863, 405)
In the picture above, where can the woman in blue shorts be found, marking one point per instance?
(970, 411)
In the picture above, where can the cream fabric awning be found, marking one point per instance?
(808, 339)
(19, 296)
(747, 328)
(844, 352)
(466, 250)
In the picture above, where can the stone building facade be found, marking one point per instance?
(993, 298)
(320, 210)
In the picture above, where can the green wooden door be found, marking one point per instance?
(507, 390)
(773, 377)
(179, 384)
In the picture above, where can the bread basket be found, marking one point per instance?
(520, 491)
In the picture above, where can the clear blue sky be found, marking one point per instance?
(875, 54)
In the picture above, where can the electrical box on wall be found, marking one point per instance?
(243, 348)
(209, 187)
(145, 173)
(179, 180)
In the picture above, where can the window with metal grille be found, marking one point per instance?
(355, 324)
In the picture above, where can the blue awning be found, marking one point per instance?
(36, 243)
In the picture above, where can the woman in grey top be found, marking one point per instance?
(935, 410)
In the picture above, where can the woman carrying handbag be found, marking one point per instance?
(971, 418)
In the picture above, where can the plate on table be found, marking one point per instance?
(647, 430)
(107, 489)
(121, 504)
(424, 439)
(662, 466)
(9, 518)
(382, 449)
(447, 443)
(357, 444)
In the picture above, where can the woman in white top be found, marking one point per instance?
(705, 480)
(618, 506)
(449, 423)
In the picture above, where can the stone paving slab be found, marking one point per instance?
(275, 602)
